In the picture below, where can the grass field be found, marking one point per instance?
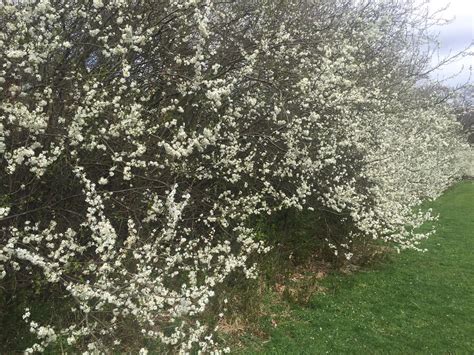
(412, 303)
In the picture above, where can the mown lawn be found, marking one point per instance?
(412, 303)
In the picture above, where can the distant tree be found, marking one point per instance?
(465, 110)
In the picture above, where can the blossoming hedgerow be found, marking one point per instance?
(138, 140)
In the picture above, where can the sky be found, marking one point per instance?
(455, 37)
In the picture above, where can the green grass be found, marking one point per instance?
(412, 303)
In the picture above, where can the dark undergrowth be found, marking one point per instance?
(306, 300)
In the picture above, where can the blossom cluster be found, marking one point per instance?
(139, 139)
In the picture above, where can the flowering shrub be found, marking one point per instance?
(139, 138)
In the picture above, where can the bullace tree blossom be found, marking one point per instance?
(138, 139)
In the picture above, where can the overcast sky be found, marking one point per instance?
(455, 37)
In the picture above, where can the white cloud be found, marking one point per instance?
(455, 37)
